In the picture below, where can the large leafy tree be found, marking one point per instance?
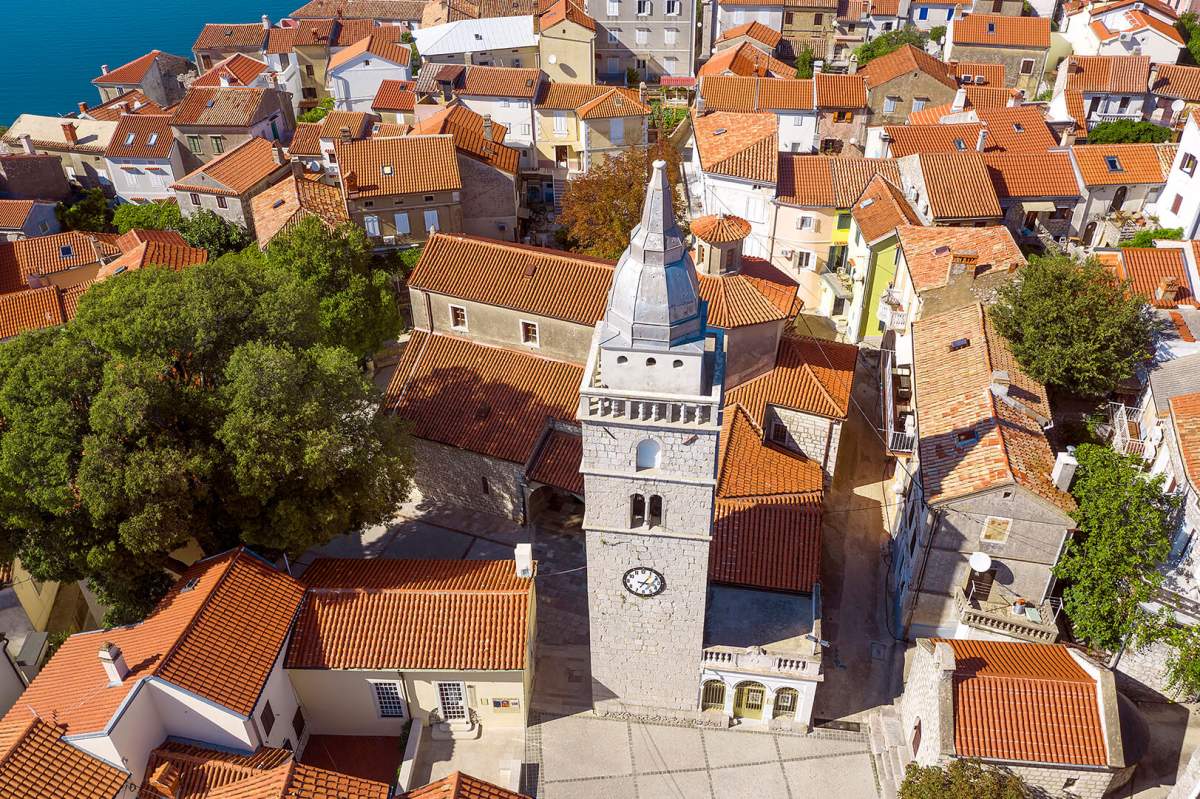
(209, 404)
(1129, 131)
(208, 231)
(1110, 567)
(961, 779)
(602, 206)
(357, 302)
(147, 216)
(1074, 325)
(885, 43)
(90, 212)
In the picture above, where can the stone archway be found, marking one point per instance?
(554, 508)
(748, 700)
(712, 695)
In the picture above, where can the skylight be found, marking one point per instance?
(991, 27)
(1113, 163)
(959, 344)
(66, 251)
(386, 169)
(960, 145)
(152, 139)
(1018, 127)
(129, 137)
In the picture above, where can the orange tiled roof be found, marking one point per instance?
(903, 61)
(395, 95)
(215, 36)
(745, 94)
(70, 298)
(738, 145)
(613, 103)
(770, 544)
(1025, 702)
(138, 103)
(572, 96)
(992, 74)
(200, 773)
(13, 213)
(358, 122)
(1017, 129)
(217, 634)
(467, 128)
(376, 44)
(361, 9)
(415, 163)
(1002, 30)
(546, 282)
(959, 186)
(36, 763)
(45, 255)
(557, 461)
(930, 252)
(500, 82)
(234, 172)
(141, 136)
(31, 309)
(461, 786)
(480, 398)
(840, 91)
(142, 248)
(745, 59)
(306, 140)
(881, 209)
(565, 10)
(279, 207)
(1178, 81)
(751, 468)
(1185, 413)
(720, 228)
(1135, 163)
(1146, 267)
(130, 73)
(979, 98)
(972, 441)
(220, 106)
(755, 30)
(933, 138)
(412, 614)
(239, 69)
(810, 375)
(739, 300)
(1108, 73)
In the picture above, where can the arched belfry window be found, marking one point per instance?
(654, 517)
(637, 510)
(649, 453)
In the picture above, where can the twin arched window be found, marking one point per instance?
(643, 513)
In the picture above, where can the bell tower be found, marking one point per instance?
(650, 411)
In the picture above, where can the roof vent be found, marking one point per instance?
(523, 556)
(959, 344)
(867, 203)
(719, 132)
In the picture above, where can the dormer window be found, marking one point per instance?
(1113, 163)
(66, 251)
(1018, 127)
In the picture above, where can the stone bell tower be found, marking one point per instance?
(650, 409)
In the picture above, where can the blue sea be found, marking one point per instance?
(55, 47)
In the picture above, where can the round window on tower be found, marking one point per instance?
(650, 361)
(678, 364)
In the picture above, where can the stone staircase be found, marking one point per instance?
(889, 750)
(560, 188)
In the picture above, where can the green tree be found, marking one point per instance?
(1146, 238)
(1128, 131)
(804, 62)
(358, 303)
(1073, 325)
(148, 216)
(632, 77)
(887, 42)
(936, 34)
(1187, 27)
(207, 404)
(90, 212)
(1111, 566)
(207, 230)
(1183, 660)
(961, 779)
(317, 112)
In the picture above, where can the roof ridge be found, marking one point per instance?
(200, 608)
(431, 591)
(990, 364)
(1085, 680)
(820, 385)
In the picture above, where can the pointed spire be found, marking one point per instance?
(657, 239)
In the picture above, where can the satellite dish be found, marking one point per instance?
(552, 58)
(1178, 106)
(980, 562)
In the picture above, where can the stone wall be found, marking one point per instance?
(922, 701)
(489, 200)
(814, 436)
(1142, 673)
(457, 477)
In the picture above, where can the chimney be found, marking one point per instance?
(297, 168)
(344, 133)
(27, 144)
(104, 69)
(266, 22)
(699, 104)
(274, 77)
(642, 92)
(852, 65)
(524, 559)
(487, 126)
(981, 142)
(1016, 97)
(1000, 382)
(113, 662)
(1064, 471)
(277, 153)
(1168, 289)
(127, 107)
(165, 780)
(224, 79)
(350, 184)
(68, 129)
(960, 101)
(82, 108)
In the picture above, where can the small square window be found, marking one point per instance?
(1027, 66)
(267, 718)
(843, 116)
(66, 251)
(779, 432)
(222, 202)
(388, 699)
(458, 317)
(995, 530)
(195, 198)
(386, 169)
(428, 198)
(529, 333)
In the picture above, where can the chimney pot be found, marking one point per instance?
(266, 21)
(981, 142)
(113, 662)
(960, 100)
(524, 560)
(68, 129)
(277, 153)
(82, 108)
(1000, 381)
(487, 126)
(224, 79)
(344, 133)
(1168, 289)
(27, 144)
(104, 69)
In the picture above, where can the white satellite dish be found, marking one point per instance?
(552, 58)
(1178, 106)
(980, 562)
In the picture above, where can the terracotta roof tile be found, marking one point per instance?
(234, 172)
(959, 186)
(1002, 30)
(13, 213)
(971, 440)
(412, 614)
(377, 44)
(938, 138)
(849, 177)
(810, 375)
(1025, 702)
(35, 763)
(112, 110)
(307, 139)
(565, 10)
(770, 544)
(881, 209)
(142, 248)
(279, 207)
(755, 30)
(930, 252)
(31, 309)
(357, 122)
(740, 300)
(745, 94)
(1134, 163)
(613, 103)
(215, 36)
(1185, 413)
(752, 468)
(1178, 81)
(480, 398)
(221, 106)
(992, 74)
(841, 91)
(720, 228)
(395, 95)
(142, 136)
(130, 73)
(70, 298)
(361, 9)
(738, 145)
(217, 634)
(1017, 129)
(1143, 21)
(415, 164)
(467, 128)
(1108, 73)
(745, 59)
(557, 461)
(1146, 268)
(461, 786)
(903, 61)
(551, 283)
(500, 82)
(239, 69)
(572, 96)
(45, 255)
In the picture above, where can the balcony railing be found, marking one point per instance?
(1095, 119)
(1001, 611)
(896, 421)
(1127, 435)
(754, 660)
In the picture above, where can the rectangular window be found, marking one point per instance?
(643, 35)
(484, 486)
(431, 220)
(612, 35)
(671, 65)
(308, 70)
(919, 103)
(523, 129)
(452, 700)
(560, 123)
(194, 144)
(779, 432)
(195, 198)
(1026, 66)
(309, 93)
(218, 144)
(1123, 106)
(529, 333)
(371, 225)
(222, 202)
(923, 13)
(299, 723)
(267, 718)
(1188, 164)
(803, 259)
(402, 226)
(818, 19)
(616, 130)
(458, 317)
(804, 223)
(614, 8)
(843, 116)
(889, 104)
(388, 699)
(843, 221)
(670, 35)
(643, 8)
(1177, 203)
(995, 530)
(673, 8)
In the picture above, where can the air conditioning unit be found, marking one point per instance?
(789, 254)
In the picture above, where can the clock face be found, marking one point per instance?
(643, 581)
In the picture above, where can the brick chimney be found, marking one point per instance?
(266, 22)
(82, 108)
(487, 126)
(1168, 289)
(27, 144)
(113, 662)
(350, 184)
(344, 133)
(104, 69)
(165, 780)
(277, 153)
(68, 129)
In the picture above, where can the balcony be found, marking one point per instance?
(986, 605)
(891, 311)
(755, 660)
(763, 633)
(1127, 435)
(899, 419)
(1095, 119)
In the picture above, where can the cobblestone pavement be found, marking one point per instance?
(571, 757)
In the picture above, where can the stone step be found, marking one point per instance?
(875, 732)
(892, 736)
(898, 762)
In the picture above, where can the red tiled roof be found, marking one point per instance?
(992, 74)
(1147, 267)
(1037, 175)
(810, 375)
(903, 61)
(840, 91)
(745, 59)
(1136, 163)
(881, 209)
(565, 10)
(45, 255)
(932, 138)
(241, 70)
(217, 634)
(755, 30)
(361, 9)
(13, 213)
(745, 94)
(1017, 129)
(720, 228)
(770, 544)
(412, 614)
(220, 106)
(972, 441)
(227, 38)
(377, 44)
(546, 282)
(1025, 702)
(36, 763)
(235, 172)
(1178, 81)
(959, 186)
(416, 164)
(1185, 413)
(557, 461)
(142, 136)
(738, 145)
(1002, 30)
(575, 96)
(468, 129)
(930, 252)
(480, 398)
(31, 309)
(395, 95)
(1108, 73)
(461, 786)
(112, 110)
(739, 300)
(751, 468)
(130, 73)
(301, 198)
(500, 82)
(142, 248)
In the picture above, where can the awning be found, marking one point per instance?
(1038, 205)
